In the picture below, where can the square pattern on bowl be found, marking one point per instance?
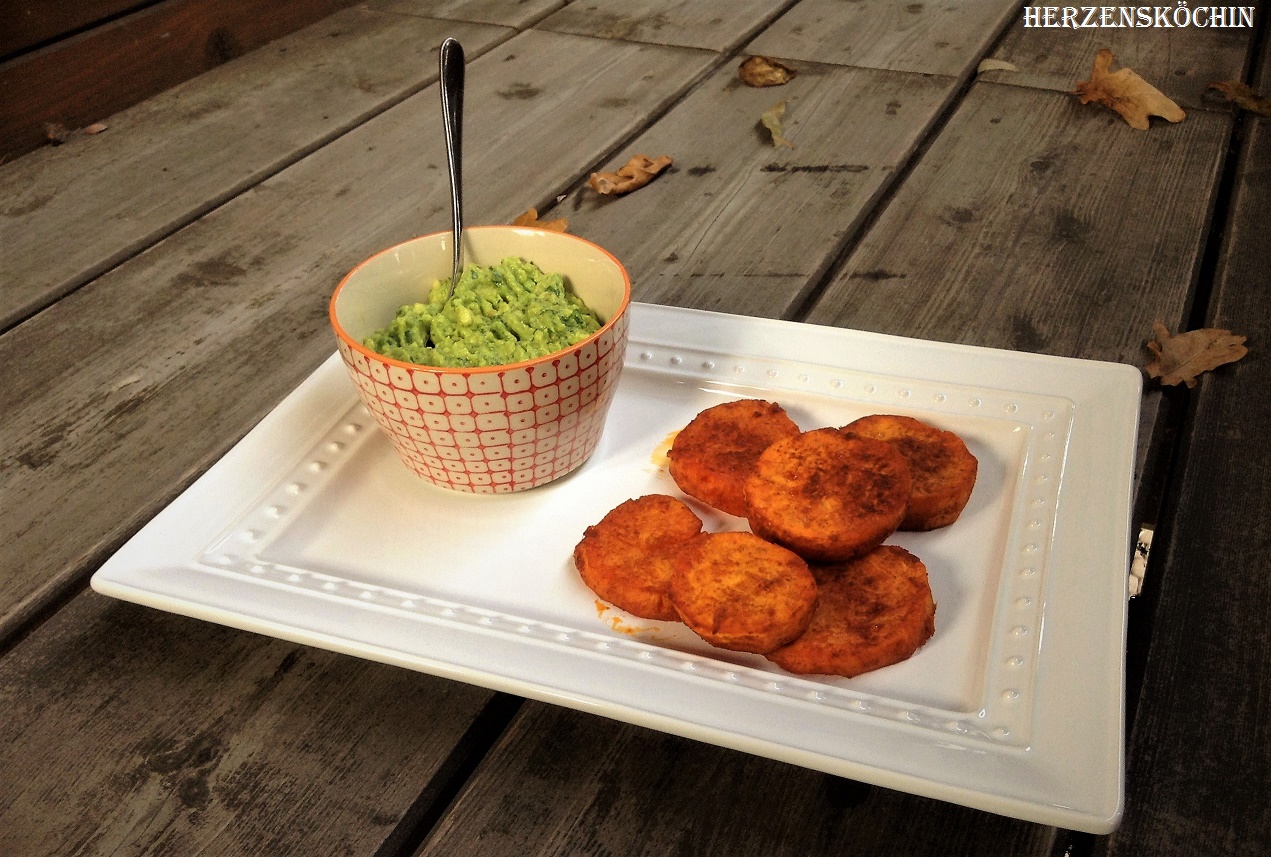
(494, 430)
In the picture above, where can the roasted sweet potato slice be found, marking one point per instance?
(827, 496)
(739, 592)
(941, 467)
(714, 453)
(626, 558)
(871, 612)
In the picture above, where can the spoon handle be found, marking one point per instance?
(451, 71)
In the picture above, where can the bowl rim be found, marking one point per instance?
(344, 337)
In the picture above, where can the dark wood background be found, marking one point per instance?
(70, 64)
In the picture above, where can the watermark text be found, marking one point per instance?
(1115, 17)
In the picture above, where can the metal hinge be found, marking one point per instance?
(1138, 562)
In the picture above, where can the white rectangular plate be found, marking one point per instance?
(311, 530)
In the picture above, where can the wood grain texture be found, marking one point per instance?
(934, 37)
(182, 349)
(200, 144)
(1198, 777)
(89, 77)
(1004, 236)
(715, 26)
(28, 23)
(1179, 62)
(131, 731)
(739, 224)
(563, 783)
(508, 13)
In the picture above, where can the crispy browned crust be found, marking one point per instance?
(626, 558)
(712, 455)
(827, 496)
(871, 612)
(739, 592)
(942, 468)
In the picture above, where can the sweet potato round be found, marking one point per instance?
(626, 558)
(827, 496)
(739, 592)
(942, 469)
(871, 612)
(713, 454)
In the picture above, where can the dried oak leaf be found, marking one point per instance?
(634, 174)
(771, 120)
(1179, 359)
(530, 218)
(56, 133)
(995, 65)
(1126, 93)
(765, 71)
(1242, 96)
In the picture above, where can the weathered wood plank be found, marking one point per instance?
(156, 388)
(88, 77)
(508, 13)
(1179, 62)
(943, 37)
(667, 22)
(202, 143)
(131, 731)
(1003, 236)
(740, 225)
(743, 226)
(1198, 777)
(561, 782)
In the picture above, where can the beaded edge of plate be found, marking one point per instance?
(1006, 712)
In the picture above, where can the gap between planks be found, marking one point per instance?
(818, 285)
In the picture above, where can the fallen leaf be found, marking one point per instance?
(1179, 359)
(765, 71)
(771, 120)
(1242, 96)
(56, 133)
(530, 218)
(996, 65)
(127, 382)
(1126, 93)
(634, 174)
(95, 128)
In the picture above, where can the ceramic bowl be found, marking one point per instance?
(494, 429)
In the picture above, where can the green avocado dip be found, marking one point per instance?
(502, 314)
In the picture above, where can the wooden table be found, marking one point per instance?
(146, 273)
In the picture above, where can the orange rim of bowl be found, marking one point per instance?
(473, 370)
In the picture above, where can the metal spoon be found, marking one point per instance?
(451, 71)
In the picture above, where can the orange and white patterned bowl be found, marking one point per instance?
(494, 429)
